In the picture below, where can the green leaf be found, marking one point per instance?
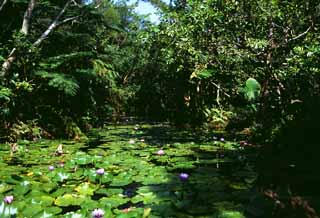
(229, 214)
(252, 89)
(69, 199)
(85, 189)
(114, 201)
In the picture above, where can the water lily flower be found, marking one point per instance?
(183, 177)
(160, 152)
(141, 140)
(100, 171)
(222, 139)
(51, 168)
(59, 150)
(131, 141)
(97, 213)
(8, 199)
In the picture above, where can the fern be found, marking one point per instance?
(57, 61)
(105, 72)
(68, 85)
(62, 82)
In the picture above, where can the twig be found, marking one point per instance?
(300, 35)
(218, 87)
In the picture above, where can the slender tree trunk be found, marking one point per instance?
(27, 17)
(3, 4)
(6, 66)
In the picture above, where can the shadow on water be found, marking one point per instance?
(220, 180)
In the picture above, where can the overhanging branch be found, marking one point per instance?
(52, 26)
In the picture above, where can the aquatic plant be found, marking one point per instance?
(100, 171)
(97, 213)
(8, 199)
(183, 177)
(160, 152)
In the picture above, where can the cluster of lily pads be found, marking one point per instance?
(121, 172)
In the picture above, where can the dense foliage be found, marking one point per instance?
(202, 54)
(248, 68)
(75, 64)
(69, 68)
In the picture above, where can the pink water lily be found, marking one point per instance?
(160, 152)
(100, 171)
(97, 213)
(51, 168)
(8, 199)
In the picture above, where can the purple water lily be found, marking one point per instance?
(8, 199)
(97, 213)
(183, 177)
(100, 171)
(51, 168)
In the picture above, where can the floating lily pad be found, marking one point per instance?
(85, 189)
(114, 200)
(69, 199)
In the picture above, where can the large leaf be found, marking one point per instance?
(69, 199)
(252, 89)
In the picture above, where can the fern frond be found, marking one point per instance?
(62, 82)
(105, 71)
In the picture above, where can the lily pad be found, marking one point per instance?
(69, 199)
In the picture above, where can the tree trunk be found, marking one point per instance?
(3, 4)
(27, 17)
(6, 66)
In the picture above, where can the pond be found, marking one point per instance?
(128, 171)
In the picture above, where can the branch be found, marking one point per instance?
(3, 4)
(67, 20)
(300, 35)
(8, 62)
(219, 88)
(52, 26)
(6, 66)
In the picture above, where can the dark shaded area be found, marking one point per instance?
(223, 177)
